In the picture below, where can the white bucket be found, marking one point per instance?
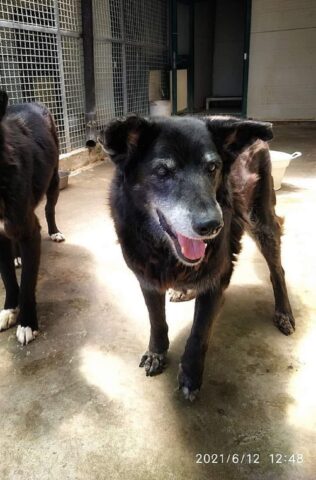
(160, 108)
(280, 161)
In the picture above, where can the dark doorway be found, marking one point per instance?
(210, 49)
(182, 44)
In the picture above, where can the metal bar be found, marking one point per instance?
(212, 27)
(191, 58)
(62, 78)
(89, 78)
(68, 33)
(124, 74)
(246, 57)
(37, 28)
(104, 38)
(174, 48)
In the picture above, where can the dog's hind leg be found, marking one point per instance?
(154, 360)
(266, 229)
(9, 313)
(52, 198)
(30, 245)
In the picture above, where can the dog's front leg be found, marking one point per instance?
(192, 361)
(9, 313)
(154, 360)
(30, 246)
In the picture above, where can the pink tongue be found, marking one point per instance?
(191, 249)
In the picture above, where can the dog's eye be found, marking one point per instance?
(211, 168)
(162, 171)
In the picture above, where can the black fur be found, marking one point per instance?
(214, 170)
(28, 171)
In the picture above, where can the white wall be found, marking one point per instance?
(282, 63)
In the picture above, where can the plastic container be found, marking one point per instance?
(63, 179)
(280, 161)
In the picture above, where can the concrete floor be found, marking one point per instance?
(74, 404)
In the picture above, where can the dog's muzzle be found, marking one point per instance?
(190, 251)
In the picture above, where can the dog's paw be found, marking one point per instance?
(190, 394)
(18, 262)
(8, 318)
(185, 385)
(181, 295)
(57, 237)
(285, 322)
(25, 334)
(154, 363)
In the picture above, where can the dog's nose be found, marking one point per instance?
(207, 227)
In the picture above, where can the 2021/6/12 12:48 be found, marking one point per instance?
(248, 458)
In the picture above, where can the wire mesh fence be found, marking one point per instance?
(41, 58)
(131, 55)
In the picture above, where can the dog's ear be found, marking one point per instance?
(123, 137)
(3, 103)
(233, 135)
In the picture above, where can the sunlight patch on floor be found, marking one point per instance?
(299, 261)
(303, 182)
(109, 268)
(298, 252)
(303, 386)
(107, 372)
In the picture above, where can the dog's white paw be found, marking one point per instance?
(8, 318)
(57, 237)
(18, 262)
(25, 334)
(186, 385)
(190, 395)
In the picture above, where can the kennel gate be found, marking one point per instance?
(42, 59)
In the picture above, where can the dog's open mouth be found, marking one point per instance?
(189, 250)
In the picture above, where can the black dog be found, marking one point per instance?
(183, 193)
(28, 170)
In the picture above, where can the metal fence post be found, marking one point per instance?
(174, 53)
(89, 80)
(62, 78)
(124, 77)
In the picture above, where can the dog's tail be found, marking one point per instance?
(52, 126)
(54, 130)
(41, 109)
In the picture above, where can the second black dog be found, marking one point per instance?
(28, 171)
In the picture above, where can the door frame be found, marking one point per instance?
(174, 53)
(246, 58)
